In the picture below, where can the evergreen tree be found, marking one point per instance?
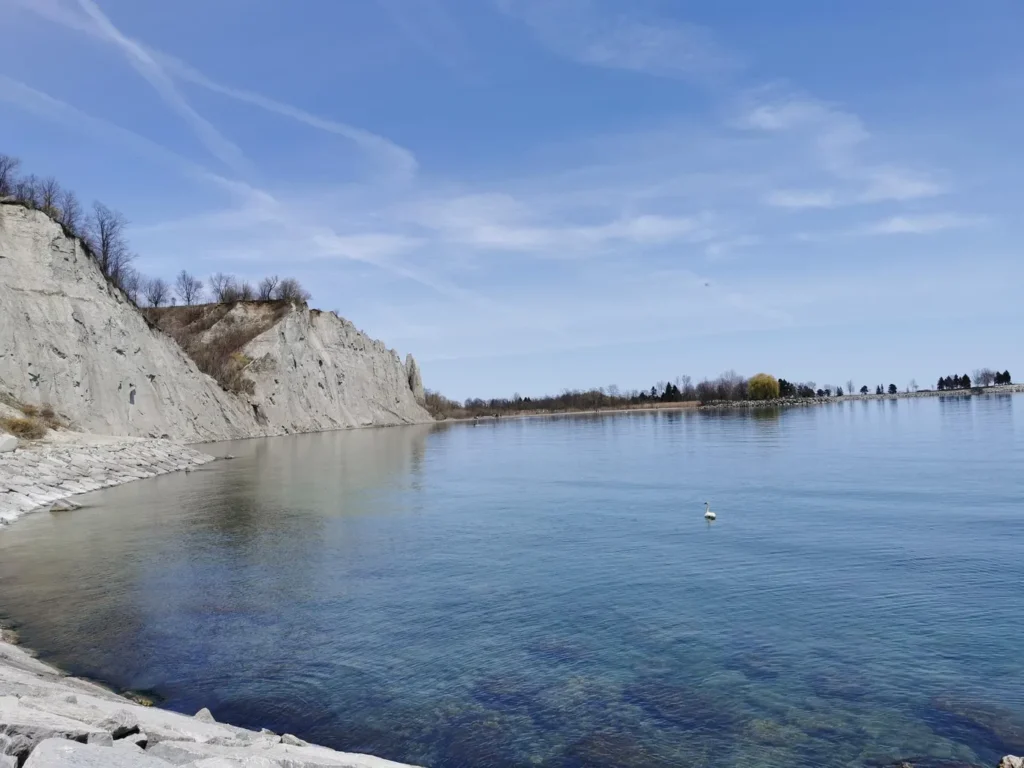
(965, 381)
(892, 389)
(878, 390)
(864, 389)
(942, 384)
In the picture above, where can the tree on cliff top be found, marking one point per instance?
(157, 292)
(267, 287)
(189, 288)
(8, 172)
(105, 236)
(291, 289)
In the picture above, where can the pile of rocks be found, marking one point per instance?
(39, 475)
(48, 720)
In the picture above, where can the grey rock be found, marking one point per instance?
(1011, 761)
(64, 506)
(16, 746)
(8, 443)
(227, 762)
(37, 725)
(205, 715)
(59, 753)
(139, 739)
(293, 741)
(100, 739)
(128, 744)
(120, 724)
(8, 761)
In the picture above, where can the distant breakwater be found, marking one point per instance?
(789, 402)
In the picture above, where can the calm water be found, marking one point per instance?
(546, 592)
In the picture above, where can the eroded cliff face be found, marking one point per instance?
(71, 341)
(314, 370)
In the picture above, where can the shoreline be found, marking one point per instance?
(47, 715)
(781, 402)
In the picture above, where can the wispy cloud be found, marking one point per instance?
(499, 222)
(215, 142)
(837, 139)
(399, 162)
(579, 30)
(921, 224)
(431, 29)
(801, 198)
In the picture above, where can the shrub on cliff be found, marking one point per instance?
(26, 429)
(763, 386)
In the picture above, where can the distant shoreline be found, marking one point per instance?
(782, 402)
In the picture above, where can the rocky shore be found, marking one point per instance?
(49, 720)
(38, 475)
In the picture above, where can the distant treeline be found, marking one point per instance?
(730, 386)
(102, 231)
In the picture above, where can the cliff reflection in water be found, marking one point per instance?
(241, 541)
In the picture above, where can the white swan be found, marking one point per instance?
(708, 514)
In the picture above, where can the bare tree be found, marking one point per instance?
(105, 235)
(49, 192)
(69, 211)
(849, 387)
(223, 287)
(131, 284)
(26, 189)
(8, 174)
(984, 377)
(189, 288)
(245, 291)
(157, 292)
(267, 286)
(913, 385)
(290, 289)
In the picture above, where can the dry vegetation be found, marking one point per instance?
(34, 422)
(24, 428)
(218, 354)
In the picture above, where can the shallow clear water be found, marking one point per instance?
(546, 591)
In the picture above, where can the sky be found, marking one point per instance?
(538, 195)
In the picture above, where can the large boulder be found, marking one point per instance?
(36, 725)
(1010, 761)
(58, 753)
(8, 443)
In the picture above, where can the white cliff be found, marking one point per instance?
(71, 341)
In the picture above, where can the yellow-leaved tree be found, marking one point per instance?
(763, 386)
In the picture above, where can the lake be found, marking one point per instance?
(546, 592)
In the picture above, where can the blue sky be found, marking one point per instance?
(532, 195)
